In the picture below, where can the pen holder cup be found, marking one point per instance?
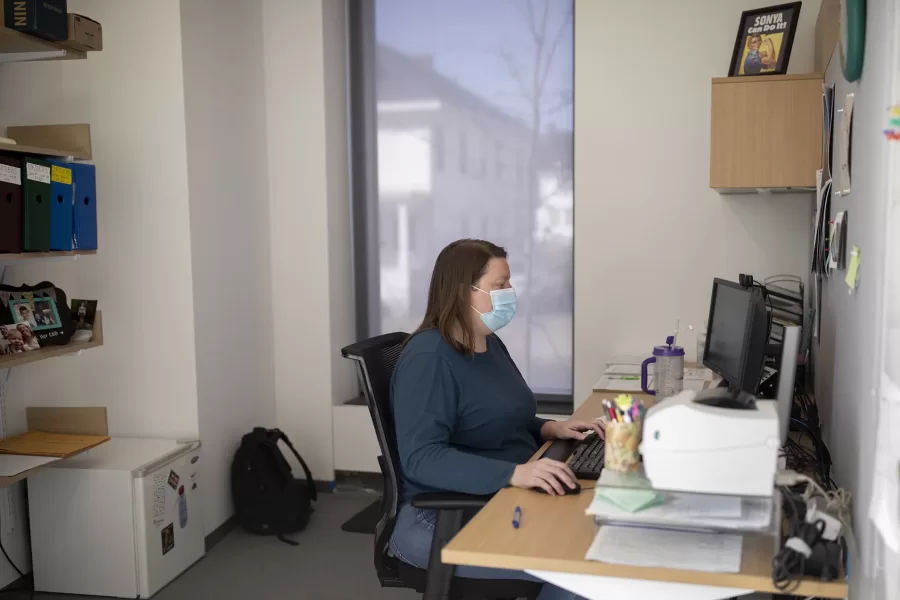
(622, 443)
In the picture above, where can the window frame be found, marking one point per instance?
(363, 125)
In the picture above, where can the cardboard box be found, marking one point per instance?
(43, 18)
(84, 34)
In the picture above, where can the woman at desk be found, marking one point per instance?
(465, 418)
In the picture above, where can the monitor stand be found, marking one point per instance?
(726, 397)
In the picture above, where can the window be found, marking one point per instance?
(485, 87)
(438, 148)
(463, 153)
(481, 165)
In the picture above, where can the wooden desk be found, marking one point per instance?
(555, 535)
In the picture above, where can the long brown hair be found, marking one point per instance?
(458, 267)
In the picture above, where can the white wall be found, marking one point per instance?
(228, 180)
(649, 233)
(308, 213)
(131, 94)
(848, 356)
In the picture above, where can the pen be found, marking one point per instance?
(517, 517)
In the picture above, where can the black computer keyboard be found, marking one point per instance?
(585, 458)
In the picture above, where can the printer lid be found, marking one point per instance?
(678, 424)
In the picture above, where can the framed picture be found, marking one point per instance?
(38, 313)
(84, 312)
(764, 40)
(18, 338)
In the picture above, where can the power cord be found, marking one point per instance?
(26, 587)
(3, 549)
(788, 565)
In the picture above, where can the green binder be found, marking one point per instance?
(35, 205)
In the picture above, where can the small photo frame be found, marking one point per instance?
(764, 40)
(38, 313)
(18, 338)
(84, 312)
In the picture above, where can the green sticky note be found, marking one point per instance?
(629, 499)
(852, 277)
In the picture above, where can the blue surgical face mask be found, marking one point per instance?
(503, 303)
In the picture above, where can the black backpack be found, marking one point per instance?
(268, 499)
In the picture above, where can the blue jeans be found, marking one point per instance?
(411, 543)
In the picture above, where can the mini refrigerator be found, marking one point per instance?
(122, 520)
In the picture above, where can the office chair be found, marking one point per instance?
(375, 360)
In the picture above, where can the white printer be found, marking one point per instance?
(716, 447)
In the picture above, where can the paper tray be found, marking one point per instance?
(662, 517)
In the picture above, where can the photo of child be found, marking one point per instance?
(38, 313)
(23, 313)
(29, 342)
(18, 338)
(45, 314)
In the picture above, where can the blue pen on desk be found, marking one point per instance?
(517, 517)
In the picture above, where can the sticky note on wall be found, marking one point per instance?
(852, 277)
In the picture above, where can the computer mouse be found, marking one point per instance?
(569, 491)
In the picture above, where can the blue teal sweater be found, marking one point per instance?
(463, 422)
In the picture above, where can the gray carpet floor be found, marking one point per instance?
(328, 565)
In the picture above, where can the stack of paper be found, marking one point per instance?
(619, 383)
(669, 549)
(13, 464)
(691, 511)
(701, 373)
(623, 374)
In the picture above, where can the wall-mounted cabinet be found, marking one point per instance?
(766, 133)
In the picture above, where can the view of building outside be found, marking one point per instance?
(474, 119)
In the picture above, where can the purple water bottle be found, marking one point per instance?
(668, 374)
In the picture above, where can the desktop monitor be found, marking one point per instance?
(738, 328)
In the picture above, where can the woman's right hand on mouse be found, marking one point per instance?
(547, 474)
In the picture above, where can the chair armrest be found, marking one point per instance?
(451, 508)
(449, 501)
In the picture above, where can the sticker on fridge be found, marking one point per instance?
(173, 480)
(182, 508)
(168, 538)
(159, 499)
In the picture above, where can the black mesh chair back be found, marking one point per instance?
(375, 359)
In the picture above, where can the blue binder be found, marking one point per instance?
(61, 198)
(85, 225)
